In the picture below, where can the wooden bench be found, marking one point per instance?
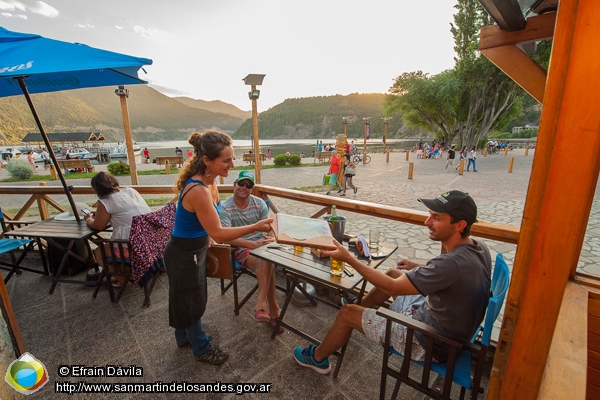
(74, 164)
(323, 155)
(249, 157)
(171, 159)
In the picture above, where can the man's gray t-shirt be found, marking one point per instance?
(457, 289)
(256, 210)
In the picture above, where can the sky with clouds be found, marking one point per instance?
(203, 48)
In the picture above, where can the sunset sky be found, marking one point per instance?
(203, 48)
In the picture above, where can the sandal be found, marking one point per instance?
(261, 316)
(352, 300)
(273, 323)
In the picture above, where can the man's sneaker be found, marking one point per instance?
(214, 356)
(305, 358)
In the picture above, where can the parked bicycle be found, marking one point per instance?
(359, 159)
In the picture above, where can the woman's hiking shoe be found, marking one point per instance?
(214, 356)
(305, 358)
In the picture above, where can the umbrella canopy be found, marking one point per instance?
(51, 65)
(33, 64)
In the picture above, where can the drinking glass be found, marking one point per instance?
(336, 267)
(374, 236)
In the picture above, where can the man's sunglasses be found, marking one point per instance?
(249, 185)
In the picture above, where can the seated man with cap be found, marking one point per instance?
(243, 209)
(449, 292)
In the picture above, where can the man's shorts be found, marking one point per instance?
(333, 179)
(374, 325)
(241, 255)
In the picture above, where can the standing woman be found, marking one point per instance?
(349, 172)
(197, 218)
(472, 157)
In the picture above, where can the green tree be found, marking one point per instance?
(427, 102)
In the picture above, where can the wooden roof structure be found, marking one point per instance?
(558, 203)
(64, 137)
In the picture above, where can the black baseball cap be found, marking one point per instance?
(455, 203)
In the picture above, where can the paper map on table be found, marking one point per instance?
(309, 232)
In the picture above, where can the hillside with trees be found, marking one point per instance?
(153, 115)
(321, 117)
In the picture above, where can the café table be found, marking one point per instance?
(71, 231)
(304, 265)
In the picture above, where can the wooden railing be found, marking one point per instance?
(41, 195)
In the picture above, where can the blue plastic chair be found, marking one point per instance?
(11, 245)
(459, 366)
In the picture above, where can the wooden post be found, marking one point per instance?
(461, 167)
(123, 94)
(257, 160)
(365, 121)
(549, 247)
(410, 170)
(510, 164)
(505, 151)
(407, 154)
(53, 172)
(221, 180)
(387, 156)
(167, 167)
(485, 151)
(526, 150)
(42, 205)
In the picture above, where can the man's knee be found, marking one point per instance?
(350, 315)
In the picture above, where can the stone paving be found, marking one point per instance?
(71, 328)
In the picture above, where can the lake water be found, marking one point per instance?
(297, 146)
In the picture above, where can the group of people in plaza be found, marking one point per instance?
(449, 292)
(334, 170)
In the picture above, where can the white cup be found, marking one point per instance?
(374, 236)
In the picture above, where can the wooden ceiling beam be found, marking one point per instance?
(519, 67)
(540, 27)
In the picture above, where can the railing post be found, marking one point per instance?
(42, 205)
(167, 167)
(53, 175)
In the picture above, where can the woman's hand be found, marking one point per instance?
(263, 225)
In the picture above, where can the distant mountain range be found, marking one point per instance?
(155, 116)
(216, 106)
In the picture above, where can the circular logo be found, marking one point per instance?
(26, 374)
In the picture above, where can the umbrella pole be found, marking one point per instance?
(67, 188)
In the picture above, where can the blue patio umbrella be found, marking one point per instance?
(30, 63)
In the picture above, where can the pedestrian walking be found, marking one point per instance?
(471, 158)
(450, 160)
(334, 169)
(349, 173)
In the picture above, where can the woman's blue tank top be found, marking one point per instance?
(187, 224)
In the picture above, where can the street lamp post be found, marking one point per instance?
(386, 120)
(366, 123)
(255, 80)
